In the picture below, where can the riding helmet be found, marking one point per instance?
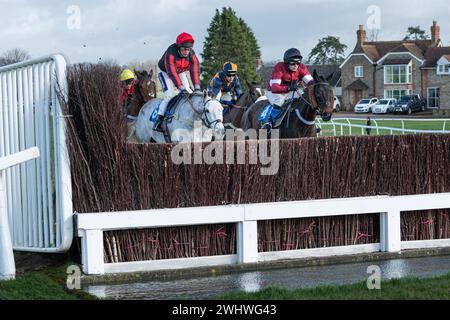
(292, 55)
(230, 68)
(127, 74)
(185, 40)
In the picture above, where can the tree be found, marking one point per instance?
(229, 38)
(329, 50)
(415, 33)
(13, 56)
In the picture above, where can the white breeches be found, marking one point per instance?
(170, 90)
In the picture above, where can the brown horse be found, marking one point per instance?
(145, 90)
(234, 116)
(300, 117)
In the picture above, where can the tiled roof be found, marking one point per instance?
(378, 49)
(358, 85)
(434, 54)
(388, 61)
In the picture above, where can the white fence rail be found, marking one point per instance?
(338, 126)
(91, 227)
(7, 266)
(39, 192)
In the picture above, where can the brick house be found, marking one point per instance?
(391, 69)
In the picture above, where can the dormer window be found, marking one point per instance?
(444, 69)
(443, 65)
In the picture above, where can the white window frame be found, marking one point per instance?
(408, 70)
(359, 71)
(387, 96)
(441, 69)
(438, 98)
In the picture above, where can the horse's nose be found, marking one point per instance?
(220, 130)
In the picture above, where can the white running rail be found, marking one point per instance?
(339, 124)
(7, 265)
(91, 227)
(39, 192)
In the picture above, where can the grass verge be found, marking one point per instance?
(436, 288)
(48, 284)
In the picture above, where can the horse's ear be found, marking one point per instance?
(150, 74)
(330, 77)
(248, 83)
(315, 75)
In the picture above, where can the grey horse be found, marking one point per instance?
(197, 118)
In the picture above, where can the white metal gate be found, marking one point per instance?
(39, 192)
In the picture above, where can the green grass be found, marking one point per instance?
(415, 125)
(436, 288)
(48, 284)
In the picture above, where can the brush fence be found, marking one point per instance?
(91, 227)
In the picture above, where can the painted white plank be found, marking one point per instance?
(171, 264)
(319, 252)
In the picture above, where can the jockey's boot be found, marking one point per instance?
(158, 123)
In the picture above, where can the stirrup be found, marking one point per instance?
(266, 126)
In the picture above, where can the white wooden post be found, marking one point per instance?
(390, 231)
(7, 265)
(247, 242)
(92, 249)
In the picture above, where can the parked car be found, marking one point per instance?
(365, 105)
(337, 105)
(410, 103)
(384, 106)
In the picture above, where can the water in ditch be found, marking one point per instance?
(207, 287)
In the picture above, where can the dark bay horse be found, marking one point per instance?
(300, 118)
(145, 90)
(234, 116)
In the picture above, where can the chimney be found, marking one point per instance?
(435, 32)
(361, 34)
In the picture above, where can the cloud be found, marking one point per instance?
(142, 30)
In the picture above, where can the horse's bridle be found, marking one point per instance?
(314, 105)
(204, 114)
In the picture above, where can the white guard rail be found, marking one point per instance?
(7, 266)
(91, 227)
(40, 191)
(338, 126)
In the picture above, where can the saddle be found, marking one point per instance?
(277, 118)
(170, 111)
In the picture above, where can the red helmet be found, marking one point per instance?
(185, 40)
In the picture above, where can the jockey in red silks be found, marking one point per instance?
(285, 80)
(128, 81)
(175, 64)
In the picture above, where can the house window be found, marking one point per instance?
(395, 94)
(398, 74)
(444, 69)
(359, 71)
(433, 97)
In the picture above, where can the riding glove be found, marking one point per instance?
(293, 86)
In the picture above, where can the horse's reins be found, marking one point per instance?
(313, 99)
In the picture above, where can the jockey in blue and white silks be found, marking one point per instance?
(225, 86)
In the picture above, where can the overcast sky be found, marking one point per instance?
(126, 30)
